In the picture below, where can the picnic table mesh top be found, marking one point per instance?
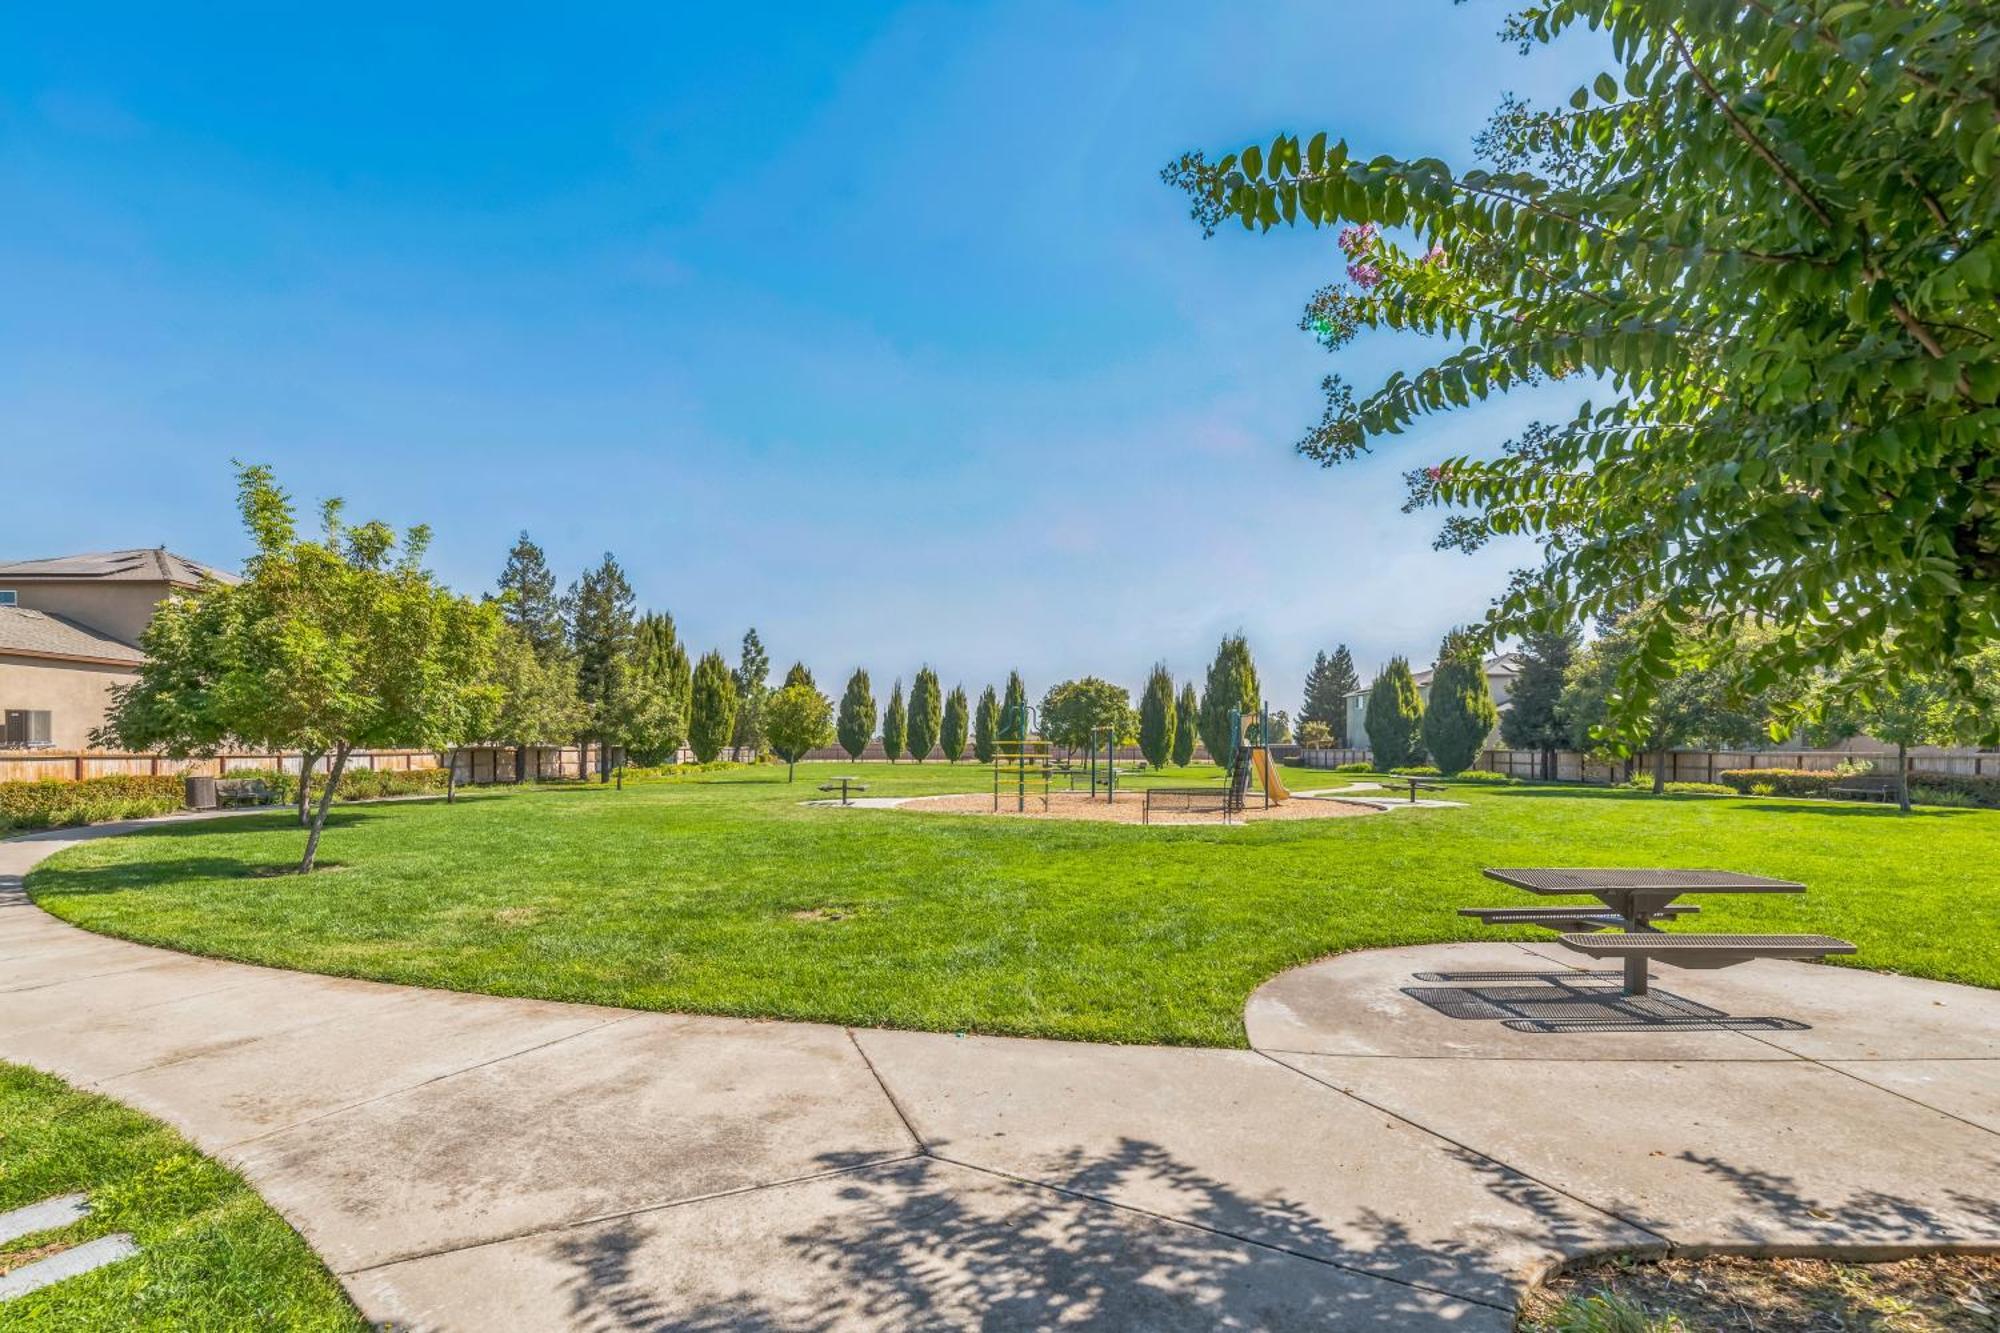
(1660, 942)
(1592, 880)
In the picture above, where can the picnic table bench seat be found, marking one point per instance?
(243, 791)
(1865, 789)
(1558, 918)
(1703, 951)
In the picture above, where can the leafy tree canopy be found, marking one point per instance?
(1231, 684)
(1766, 238)
(953, 729)
(1187, 716)
(1072, 711)
(797, 719)
(712, 711)
(895, 724)
(1158, 717)
(1395, 717)
(857, 714)
(986, 726)
(1461, 713)
(926, 713)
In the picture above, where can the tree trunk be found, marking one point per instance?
(319, 812)
(308, 761)
(1903, 777)
(1659, 770)
(520, 764)
(451, 778)
(791, 770)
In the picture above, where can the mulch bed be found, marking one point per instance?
(1129, 809)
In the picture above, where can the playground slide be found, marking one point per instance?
(1267, 773)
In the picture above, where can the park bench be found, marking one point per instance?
(243, 791)
(1861, 788)
(1228, 800)
(843, 786)
(1634, 900)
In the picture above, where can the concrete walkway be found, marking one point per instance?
(1418, 1133)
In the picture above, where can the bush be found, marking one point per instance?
(1416, 771)
(56, 804)
(1942, 796)
(1353, 768)
(1480, 775)
(666, 772)
(1644, 782)
(1782, 781)
(1982, 792)
(356, 784)
(1762, 789)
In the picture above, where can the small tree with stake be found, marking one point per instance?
(797, 720)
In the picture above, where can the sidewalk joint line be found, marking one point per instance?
(894, 1105)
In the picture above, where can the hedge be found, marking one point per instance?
(1480, 775)
(356, 784)
(1983, 790)
(51, 803)
(1644, 782)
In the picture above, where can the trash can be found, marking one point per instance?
(200, 792)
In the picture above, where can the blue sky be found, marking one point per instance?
(871, 326)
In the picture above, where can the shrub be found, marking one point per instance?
(1353, 768)
(1782, 781)
(1644, 782)
(1762, 789)
(1982, 791)
(667, 772)
(56, 804)
(1416, 771)
(1942, 796)
(356, 784)
(1480, 775)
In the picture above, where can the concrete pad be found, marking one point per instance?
(1231, 1141)
(1851, 1014)
(912, 1244)
(64, 1264)
(44, 1216)
(647, 1111)
(1710, 1153)
(73, 964)
(291, 1077)
(1968, 1089)
(1490, 1001)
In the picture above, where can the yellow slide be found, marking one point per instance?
(1267, 773)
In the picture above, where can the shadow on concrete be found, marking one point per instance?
(1869, 1223)
(1556, 1002)
(930, 1242)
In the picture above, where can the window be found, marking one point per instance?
(8, 597)
(24, 727)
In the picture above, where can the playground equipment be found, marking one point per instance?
(1110, 773)
(1249, 756)
(1020, 762)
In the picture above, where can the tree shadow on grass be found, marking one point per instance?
(1849, 810)
(931, 1242)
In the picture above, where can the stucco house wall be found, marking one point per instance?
(75, 694)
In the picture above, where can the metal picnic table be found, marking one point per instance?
(843, 784)
(1640, 897)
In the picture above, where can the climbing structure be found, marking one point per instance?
(1022, 770)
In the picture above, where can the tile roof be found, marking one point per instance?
(44, 635)
(149, 564)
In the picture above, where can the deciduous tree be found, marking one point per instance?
(537, 703)
(1072, 713)
(1765, 237)
(797, 720)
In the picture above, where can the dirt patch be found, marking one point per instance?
(1130, 808)
(824, 913)
(1941, 1293)
(518, 916)
(22, 1258)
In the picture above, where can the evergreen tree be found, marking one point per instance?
(986, 726)
(952, 729)
(528, 601)
(1460, 715)
(1014, 709)
(1395, 717)
(1533, 720)
(1187, 715)
(926, 713)
(799, 675)
(712, 711)
(1328, 684)
(895, 724)
(1232, 683)
(649, 694)
(598, 610)
(1157, 718)
(753, 682)
(857, 714)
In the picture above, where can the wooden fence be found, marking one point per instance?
(76, 765)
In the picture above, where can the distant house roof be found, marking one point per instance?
(150, 564)
(1507, 665)
(38, 634)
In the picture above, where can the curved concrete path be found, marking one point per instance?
(1418, 1133)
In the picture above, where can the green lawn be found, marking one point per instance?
(722, 894)
(211, 1255)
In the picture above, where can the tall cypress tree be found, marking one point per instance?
(986, 726)
(799, 675)
(1232, 683)
(1014, 709)
(1157, 720)
(926, 713)
(528, 599)
(753, 682)
(602, 633)
(895, 724)
(1532, 720)
(712, 710)
(856, 723)
(1460, 715)
(1395, 717)
(1186, 715)
(1328, 684)
(951, 730)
